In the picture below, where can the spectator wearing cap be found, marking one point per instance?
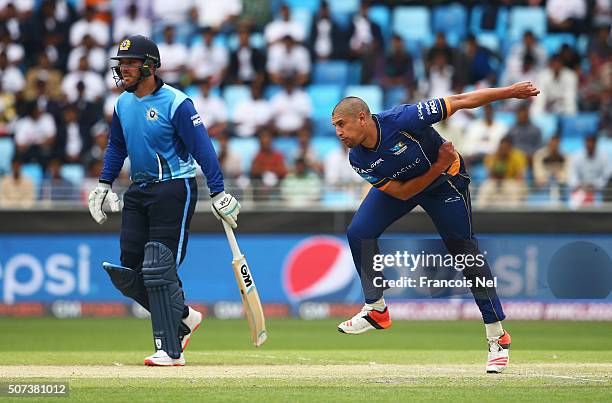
(288, 58)
(208, 60)
(247, 63)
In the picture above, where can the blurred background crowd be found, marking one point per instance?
(265, 75)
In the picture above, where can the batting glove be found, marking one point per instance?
(225, 207)
(103, 193)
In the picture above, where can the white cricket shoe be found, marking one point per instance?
(499, 353)
(161, 359)
(192, 321)
(366, 319)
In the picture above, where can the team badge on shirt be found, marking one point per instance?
(152, 114)
(398, 148)
(125, 45)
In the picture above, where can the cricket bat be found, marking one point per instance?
(248, 291)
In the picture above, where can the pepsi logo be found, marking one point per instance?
(319, 267)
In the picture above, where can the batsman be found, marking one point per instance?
(158, 128)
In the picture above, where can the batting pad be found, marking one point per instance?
(165, 297)
(129, 282)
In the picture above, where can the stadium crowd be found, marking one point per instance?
(264, 75)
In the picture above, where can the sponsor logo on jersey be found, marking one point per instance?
(433, 106)
(398, 148)
(196, 119)
(406, 168)
(376, 163)
(152, 114)
(452, 199)
(420, 110)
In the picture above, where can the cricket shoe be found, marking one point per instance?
(499, 353)
(161, 359)
(366, 319)
(189, 325)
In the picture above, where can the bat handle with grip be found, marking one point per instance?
(231, 238)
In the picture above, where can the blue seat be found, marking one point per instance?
(35, 172)
(371, 95)
(380, 15)
(552, 42)
(288, 147)
(324, 145)
(394, 96)
(75, 173)
(508, 119)
(501, 23)
(256, 40)
(310, 5)
(233, 94)
(527, 19)
(304, 17)
(478, 172)
(412, 23)
(246, 148)
(488, 40)
(7, 150)
(331, 72)
(581, 125)
(272, 90)
(324, 98)
(450, 19)
(343, 6)
(547, 123)
(571, 145)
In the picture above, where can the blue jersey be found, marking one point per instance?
(163, 136)
(407, 145)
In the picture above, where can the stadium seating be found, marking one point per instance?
(233, 94)
(371, 94)
(527, 19)
(547, 123)
(33, 171)
(7, 149)
(311, 5)
(331, 72)
(324, 145)
(246, 148)
(75, 173)
(552, 42)
(324, 98)
(394, 96)
(381, 15)
(488, 40)
(304, 17)
(412, 23)
(582, 125)
(501, 23)
(450, 19)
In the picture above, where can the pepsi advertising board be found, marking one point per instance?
(289, 269)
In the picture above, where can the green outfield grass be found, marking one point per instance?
(310, 361)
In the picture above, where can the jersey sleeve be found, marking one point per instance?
(116, 152)
(369, 175)
(192, 132)
(422, 114)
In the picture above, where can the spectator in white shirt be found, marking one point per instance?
(230, 162)
(97, 29)
(211, 108)
(35, 135)
(276, 30)
(338, 171)
(96, 55)
(208, 59)
(92, 81)
(326, 37)
(218, 14)
(566, 15)
(252, 114)
(14, 50)
(172, 12)
(558, 86)
(517, 53)
(132, 22)
(288, 59)
(291, 109)
(247, 63)
(588, 173)
(174, 55)
(12, 78)
(482, 137)
(439, 77)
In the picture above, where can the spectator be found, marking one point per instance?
(399, 70)
(72, 138)
(550, 165)
(231, 164)
(175, 12)
(301, 187)
(440, 46)
(132, 21)
(46, 32)
(327, 41)
(97, 57)
(570, 58)
(475, 64)
(588, 174)
(566, 15)
(16, 190)
(291, 109)
(528, 72)
(599, 49)
(518, 52)
(282, 27)
(56, 188)
(267, 168)
(208, 59)
(439, 77)
(252, 115)
(14, 50)
(212, 110)
(219, 15)
(483, 136)
(99, 140)
(174, 56)
(451, 132)
(306, 152)
(505, 185)
(365, 42)
(288, 59)
(43, 72)
(8, 111)
(256, 13)
(35, 135)
(88, 25)
(89, 80)
(247, 63)
(525, 136)
(11, 77)
(338, 171)
(558, 89)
